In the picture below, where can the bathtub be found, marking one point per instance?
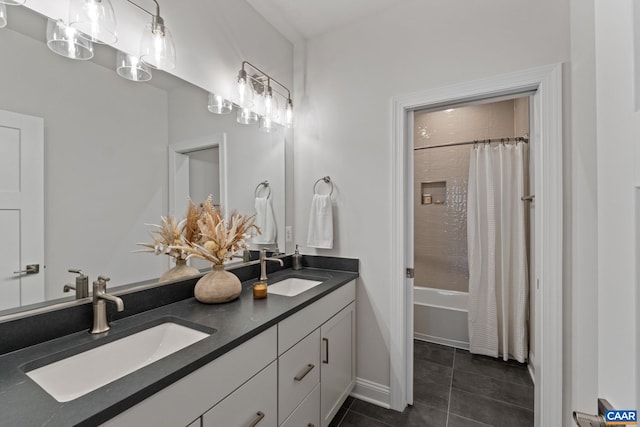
(440, 316)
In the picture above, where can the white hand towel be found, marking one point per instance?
(266, 221)
(320, 233)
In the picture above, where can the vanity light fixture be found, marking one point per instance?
(157, 49)
(132, 68)
(66, 41)
(95, 19)
(268, 108)
(219, 105)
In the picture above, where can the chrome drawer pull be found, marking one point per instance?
(304, 372)
(326, 344)
(259, 417)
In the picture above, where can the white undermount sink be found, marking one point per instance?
(292, 286)
(77, 375)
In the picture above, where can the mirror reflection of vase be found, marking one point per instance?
(179, 271)
(217, 286)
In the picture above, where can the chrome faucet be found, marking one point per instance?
(82, 284)
(263, 263)
(100, 295)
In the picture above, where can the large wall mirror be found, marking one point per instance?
(106, 167)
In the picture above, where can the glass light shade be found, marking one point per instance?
(95, 19)
(156, 47)
(246, 116)
(245, 94)
(288, 115)
(13, 2)
(266, 124)
(66, 41)
(271, 107)
(131, 68)
(219, 105)
(3, 15)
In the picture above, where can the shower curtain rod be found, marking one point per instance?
(477, 141)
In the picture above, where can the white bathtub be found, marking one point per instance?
(441, 316)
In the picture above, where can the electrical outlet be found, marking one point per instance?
(288, 233)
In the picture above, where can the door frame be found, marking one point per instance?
(547, 81)
(179, 165)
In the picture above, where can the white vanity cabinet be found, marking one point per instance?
(295, 374)
(327, 326)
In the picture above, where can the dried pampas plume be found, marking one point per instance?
(218, 239)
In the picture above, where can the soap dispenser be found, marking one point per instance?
(297, 260)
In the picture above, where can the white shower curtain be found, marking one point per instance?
(498, 285)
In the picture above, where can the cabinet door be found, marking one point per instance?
(337, 368)
(254, 404)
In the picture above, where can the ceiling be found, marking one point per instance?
(298, 20)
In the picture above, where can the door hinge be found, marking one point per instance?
(409, 273)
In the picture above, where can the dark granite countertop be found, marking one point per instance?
(24, 403)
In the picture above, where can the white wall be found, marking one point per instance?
(618, 128)
(346, 79)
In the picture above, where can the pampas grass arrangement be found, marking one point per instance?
(217, 240)
(170, 235)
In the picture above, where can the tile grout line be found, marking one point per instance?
(495, 400)
(367, 417)
(480, 374)
(453, 366)
(348, 408)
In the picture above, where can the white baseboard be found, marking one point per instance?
(444, 341)
(373, 393)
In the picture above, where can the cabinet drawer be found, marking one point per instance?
(308, 413)
(253, 404)
(299, 325)
(298, 373)
(204, 387)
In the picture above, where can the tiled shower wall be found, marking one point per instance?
(440, 229)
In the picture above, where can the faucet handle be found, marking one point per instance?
(76, 271)
(100, 285)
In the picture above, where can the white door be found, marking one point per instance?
(21, 209)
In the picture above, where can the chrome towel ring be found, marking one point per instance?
(264, 184)
(326, 180)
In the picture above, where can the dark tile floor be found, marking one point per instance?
(453, 388)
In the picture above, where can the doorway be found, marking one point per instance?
(471, 181)
(547, 155)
